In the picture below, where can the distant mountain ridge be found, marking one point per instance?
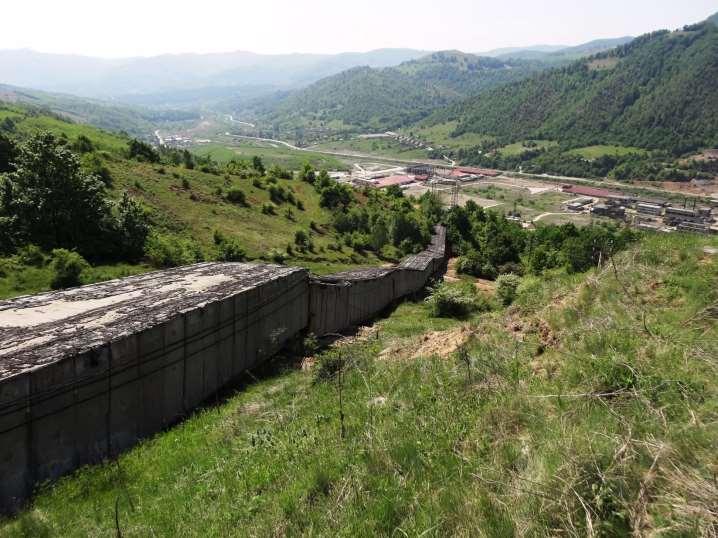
(365, 98)
(378, 99)
(563, 54)
(96, 77)
(656, 92)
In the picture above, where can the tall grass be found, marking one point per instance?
(590, 411)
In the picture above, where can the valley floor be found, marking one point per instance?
(589, 407)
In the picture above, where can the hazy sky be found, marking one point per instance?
(149, 27)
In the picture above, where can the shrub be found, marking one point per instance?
(258, 183)
(185, 183)
(269, 209)
(67, 268)
(506, 286)
(83, 144)
(31, 255)
(329, 365)
(310, 345)
(277, 194)
(143, 152)
(231, 251)
(171, 251)
(277, 256)
(455, 301)
(237, 196)
(133, 227)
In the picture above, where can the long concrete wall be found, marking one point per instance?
(68, 400)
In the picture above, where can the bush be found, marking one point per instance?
(83, 145)
(269, 209)
(277, 194)
(142, 152)
(506, 286)
(277, 256)
(31, 255)
(170, 251)
(456, 301)
(475, 264)
(329, 364)
(67, 268)
(237, 196)
(231, 251)
(301, 239)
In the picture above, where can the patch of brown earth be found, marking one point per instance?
(362, 334)
(437, 343)
(452, 275)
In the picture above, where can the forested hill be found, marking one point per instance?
(366, 98)
(659, 91)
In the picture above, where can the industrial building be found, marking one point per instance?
(649, 209)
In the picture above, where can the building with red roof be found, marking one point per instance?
(479, 171)
(392, 181)
(589, 191)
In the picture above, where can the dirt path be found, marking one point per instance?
(432, 344)
(452, 275)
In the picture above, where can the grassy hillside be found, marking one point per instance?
(656, 92)
(189, 206)
(139, 122)
(587, 408)
(377, 99)
(270, 153)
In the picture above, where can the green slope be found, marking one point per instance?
(656, 92)
(587, 408)
(137, 121)
(189, 205)
(377, 99)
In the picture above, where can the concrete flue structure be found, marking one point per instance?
(86, 373)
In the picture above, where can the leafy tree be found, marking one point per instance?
(308, 174)
(52, 201)
(143, 152)
(187, 160)
(258, 165)
(336, 196)
(8, 152)
(379, 235)
(132, 227)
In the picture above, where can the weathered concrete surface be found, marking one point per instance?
(86, 373)
(350, 298)
(40, 329)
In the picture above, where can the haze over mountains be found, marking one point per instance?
(627, 86)
(126, 78)
(96, 77)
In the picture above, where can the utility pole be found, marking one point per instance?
(455, 194)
